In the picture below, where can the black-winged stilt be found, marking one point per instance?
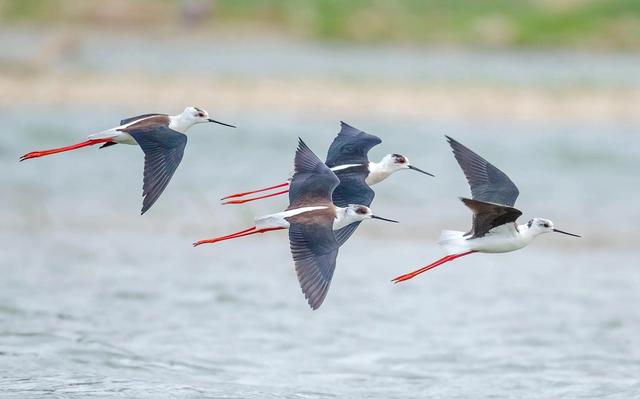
(347, 157)
(311, 219)
(160, 136)
(494, 228)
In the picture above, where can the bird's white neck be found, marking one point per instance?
(526, 234)
(343, 218)
(180, 123)
(378, 171)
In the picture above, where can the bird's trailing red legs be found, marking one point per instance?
(243, 233)
(208, 241)
(435, 264)
(242, 201)
(243, 194)
(38, 154)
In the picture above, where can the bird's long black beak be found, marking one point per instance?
(564, 232)
(420, 170)
(386, 220)
(220, 123)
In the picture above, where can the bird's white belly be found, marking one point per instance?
(496, 243)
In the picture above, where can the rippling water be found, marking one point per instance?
(96, 301)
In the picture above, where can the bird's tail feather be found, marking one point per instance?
(453, 242)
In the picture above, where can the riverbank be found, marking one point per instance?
(415, 100)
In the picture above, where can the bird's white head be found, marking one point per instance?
(357, 213)
(192, 116)
(537, 226)
(195, 115)
(392, 163)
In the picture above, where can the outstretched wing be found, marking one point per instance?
(163, 149)
(352, 190)
(351, 146)
(312, 182)
(314, 250)
(488, 183)
(487, 216)
(135, 118)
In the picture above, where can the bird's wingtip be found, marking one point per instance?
(302, 145)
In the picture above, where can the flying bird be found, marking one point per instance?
(347, 158)
(311, 219)
(494, 228)
(161, 138)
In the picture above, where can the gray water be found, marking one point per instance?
(97, 301)
(241, 58)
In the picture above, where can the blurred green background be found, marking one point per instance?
(601, 24)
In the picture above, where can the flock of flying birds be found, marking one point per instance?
(328, 200)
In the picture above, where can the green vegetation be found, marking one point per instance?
(547, 23)
(574, 23)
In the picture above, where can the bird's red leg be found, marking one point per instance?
(437, 263)
(37, 154)
(236, 202)
(239, 234)
(254, 191)
(216, 239)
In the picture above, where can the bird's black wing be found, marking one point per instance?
(313, 182)
(314, 250)
(351, 146)
(135, 118)
(487, 216)
(352, 189)
(488, 183)
(345, 233)
(163, 149)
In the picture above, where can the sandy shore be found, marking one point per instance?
(322, 96)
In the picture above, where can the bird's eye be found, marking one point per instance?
(361, 211)
(546, 225)
(200, 114)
